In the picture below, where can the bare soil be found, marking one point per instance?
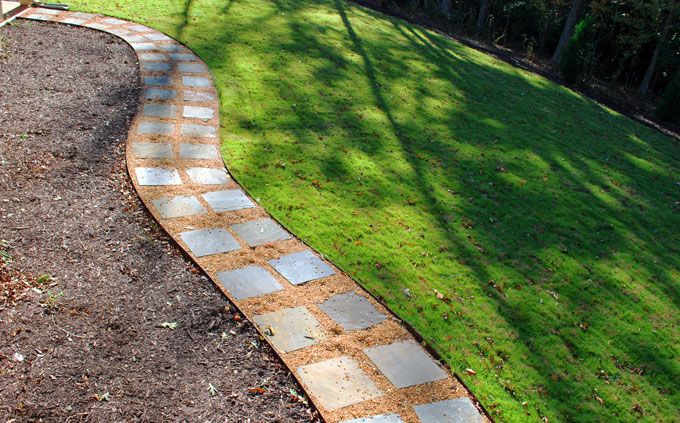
(101, 317)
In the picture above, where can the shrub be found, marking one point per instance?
(579, 56)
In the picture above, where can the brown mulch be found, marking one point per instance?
(87, 342)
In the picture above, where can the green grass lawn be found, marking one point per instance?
(548, 224)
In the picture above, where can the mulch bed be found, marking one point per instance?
(102, 318)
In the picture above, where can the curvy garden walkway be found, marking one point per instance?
(352, 355)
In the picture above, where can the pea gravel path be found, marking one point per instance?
(67, 97)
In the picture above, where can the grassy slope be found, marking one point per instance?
(549, 223)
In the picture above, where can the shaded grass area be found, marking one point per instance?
(546, 223)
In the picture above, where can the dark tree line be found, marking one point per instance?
(633, 43)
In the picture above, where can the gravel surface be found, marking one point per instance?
(113, 323)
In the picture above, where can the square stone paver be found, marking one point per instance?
(157, 176)
(133, 38)
(159, 94)
(290, 329)
(96, 26)
(155, 128)
(260, 232)
(71, 21)
(157, 36)
(338, 383)
(248, 282)
(198, 96)
(47, 11)
(157, 80)
(153, 57)
(455, 410)
(351, 311)
(119, 31)
(205, 113)
(405, 363)
(191, 129)
(229, 200)
(183, 57)
(152, 150)
(39, 17)
(170, 47)
(178, 206)
(302, 267)
(143, 46)
(159, 110)
(195, 81)
(140, 28)
(156, 66)
(205, 242)
(198, 151)
(114, 21)
(208, 176)
(192, 68)
(383, 418)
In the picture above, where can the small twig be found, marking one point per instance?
(67, 332)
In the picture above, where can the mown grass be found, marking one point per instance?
(548, 223)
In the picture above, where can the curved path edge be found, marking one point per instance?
(355, 359)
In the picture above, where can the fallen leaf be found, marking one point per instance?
(470, 372)
(257, 391)
(102, 397)
(212, 390)
(169, 325)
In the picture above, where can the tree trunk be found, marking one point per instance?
(647, 80)
(568, 30)
(483, 13)
(446, 8)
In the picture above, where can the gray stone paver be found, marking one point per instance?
(191, 129)
(157, 176)
(147, 127)
(143, 46)
(198, 96)
(134, 38)
(159, 94)
(72, 21)
(208, 176)
(159, 110)
(260, 232)
(153, 57)
(163, 80)
(338, 382)
(152, 150)
(114, 21)
(119, 32)
(178, 206)
(290, 329)
(47, 11)
(229, 200)
(195, 81)
(169, 47)
(382, 418)
(352, 311)
(301, 267)
(156, 66)
(139, 28)
(96, 26)
(40, 17)
(192, 67)
(405, 363)
(157, 36)
(248, 282)
(198, 151)
(205, 113)
(183, 57)
(456, 410)
(205, 242)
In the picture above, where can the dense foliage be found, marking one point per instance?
(624, 35)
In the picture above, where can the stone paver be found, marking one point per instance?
(260, 232)
(157, 176)
(155, 128)
(157, 80)
(152, 150)
(178, 206)
(456, 410)
(205, 242)
(208, 176)
(382, 418)
(159, 94)
(157, 36)
(198, 151)
(159, 110)
(301, 267)
(182, 56)
(290, 329)
(72, 21)
(405, 363)
(198, 96)
(248, 282)
(133, 38)
(195, 81)
(169, 48)
(191, 68)
(153, 57)
(205, 113)
(229, 200)
(191, 129)
(351, 311)
(143, 46)
(156, 66)
(338, 382)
